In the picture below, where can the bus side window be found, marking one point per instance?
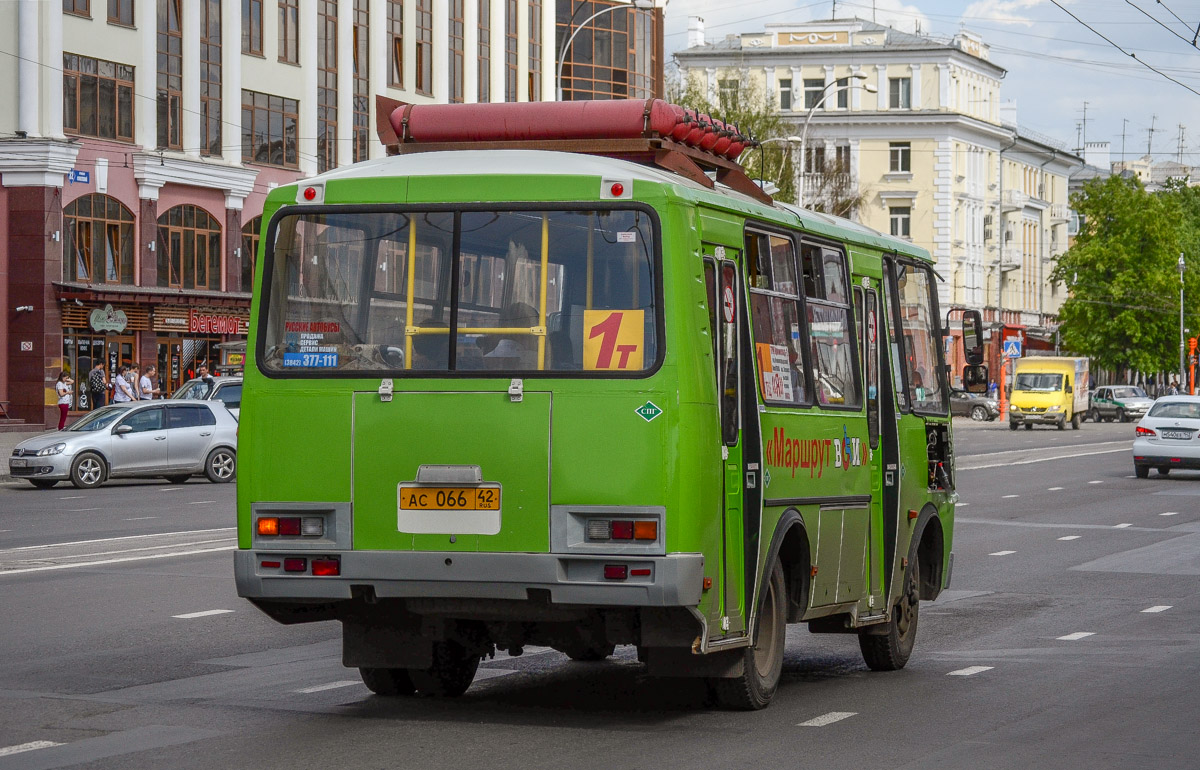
(833, 359)
(775, 315)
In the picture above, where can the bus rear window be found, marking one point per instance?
(472, 291)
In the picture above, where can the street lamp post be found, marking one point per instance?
(791, 141)
(1183, 383)
(642, 5)
(825, 92)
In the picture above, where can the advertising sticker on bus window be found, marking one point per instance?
(773, 366)
(613, 339)
(311, 360)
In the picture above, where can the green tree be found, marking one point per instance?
(1123, 309)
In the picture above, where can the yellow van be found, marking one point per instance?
(1048, 390)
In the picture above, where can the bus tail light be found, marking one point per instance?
(1145, 431)
(295, 564)
(289, 526)
(598, 529)
(645, 530)
(312, 526)
(622, 530)
(268, 525)
(615, 571)
(326, 567)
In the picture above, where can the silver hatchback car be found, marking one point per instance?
(171, 439)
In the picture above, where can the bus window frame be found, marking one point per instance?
(288, 210)
(909, 407)
(852, 332)
(763, 228)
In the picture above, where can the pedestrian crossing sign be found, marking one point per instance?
(1012, 347)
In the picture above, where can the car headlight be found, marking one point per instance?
(56, 449)
(1055, 408)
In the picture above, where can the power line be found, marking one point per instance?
(1181, 21)
(1192, 43)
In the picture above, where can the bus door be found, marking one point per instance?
(866, 304)
(892, 400)
(728, 322)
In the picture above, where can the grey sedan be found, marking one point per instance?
(977, 406)
(172, 439)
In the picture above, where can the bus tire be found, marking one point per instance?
(890, 651)
(387, 681)
(451, 674)
(587, 653)
(762, 664)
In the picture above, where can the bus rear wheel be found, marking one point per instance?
(890, 651)
(762, 664)
(387, 681)
(451, 674)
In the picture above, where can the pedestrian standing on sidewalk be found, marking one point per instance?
(122, 391)
(98, 384)
(63, 388)
(146, 389)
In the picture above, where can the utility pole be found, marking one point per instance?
(1078, 138)
(1181, 130)
(1085, 104)
(1182, 368)
(1150, 136)
(1124, 122)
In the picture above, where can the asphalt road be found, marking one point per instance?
(1068, 639)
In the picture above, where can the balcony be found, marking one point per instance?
(1060, 212)
(1014, 200)
(815, 184)
(1010, 258)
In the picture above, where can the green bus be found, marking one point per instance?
(500, 398)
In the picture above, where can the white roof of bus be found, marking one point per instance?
(550, 162)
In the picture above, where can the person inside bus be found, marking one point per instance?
(513, 351)
(431, 351)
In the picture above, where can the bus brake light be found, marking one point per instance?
(290, 526)
(326, 567)
(622, 530)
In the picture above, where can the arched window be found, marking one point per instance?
(98, 245)
(189, 249)
(250, 251)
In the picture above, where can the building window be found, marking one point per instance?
(900, 154)
(456, 51)
(269, 129)
(120, 12)
(210, 79)
(614, 56)
(535, 50)
(252, 27)
(289, 31)
(170, 75)
(510, 51)
(842, 158)
(901, 218)
(97, 98)
(785, 94)
(814, 159)
(250, 236)
(395, 21)
(813, 87)
(900, 93)
(362, 73)
(425, 47)
(485, 51)
(189, 249)
(727, 94)
(78, 7)
(98, 241)
(843, 93)
(327, 95)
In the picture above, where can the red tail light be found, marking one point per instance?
(289, 525)
(326, 567)
(615, 571)
(1145, 431)
(622, 530)
(295, 565)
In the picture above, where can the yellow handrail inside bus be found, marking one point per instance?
(412, 274)
(591, 258)
(541, 338)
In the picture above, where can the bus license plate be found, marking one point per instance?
(450, 498)
(1177, 434)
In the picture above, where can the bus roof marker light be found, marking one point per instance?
(616, 189)
(313, 193)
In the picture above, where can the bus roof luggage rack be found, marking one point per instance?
(648, 131)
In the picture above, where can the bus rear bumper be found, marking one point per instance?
(674, 580)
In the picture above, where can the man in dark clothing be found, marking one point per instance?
(97, 384)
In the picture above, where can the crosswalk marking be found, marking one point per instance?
(1158, 608)
(970, 670)
(23, 747)
(827, 719)
(328, 686)
(1076, 636)
(1001, 553)
(1122, 526)
(201, 614)
(1070, 537)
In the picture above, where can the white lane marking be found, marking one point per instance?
(171, 489)
(960, 505)
(970, 670)
(1158, 608)
(102, 562)
(1076, 636)
(1169, 513)
(81, 510)
(329, 686)
(827, 719)
(1001, 553)
(1005, 497)
(1070, 537)
(23, 747)
(73, 497)
(1054, 489)
(202, 502)
(1121, 526)
(141, 518)
(1095, 482)
(965, 467)
(201, 614)
(114, 539)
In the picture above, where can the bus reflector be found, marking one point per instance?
(622, 530)
(615, 571)
(312, 526)
(295, 564)
(326, 567)
(642, 572)
(645, 530)
(597, 529)
(290, 525)
(268, 525)
(270, 565)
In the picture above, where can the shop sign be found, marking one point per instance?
(235, 359)
(108, 320)
(200, 322)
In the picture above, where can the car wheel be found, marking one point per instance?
(1075, 420)
(221, 465)
(890, 651)
(180, 479)
(978, 413)
(1094, 415)
(1012, 425)
(762, 664)
(1164, 470)
(1121, 415)
(1141, 471)
(88, 471)
(43, 483)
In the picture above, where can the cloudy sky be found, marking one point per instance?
(1054, 62)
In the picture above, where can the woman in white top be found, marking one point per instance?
(122, 390)
(63, 389)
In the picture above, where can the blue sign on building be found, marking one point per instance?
(83, 177)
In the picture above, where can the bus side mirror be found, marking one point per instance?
(972, 324)
(975, 379)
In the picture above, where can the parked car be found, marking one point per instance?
(174, 440)
(1118, 402)
(1168, 436)
(977, 406)
(225, 389)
